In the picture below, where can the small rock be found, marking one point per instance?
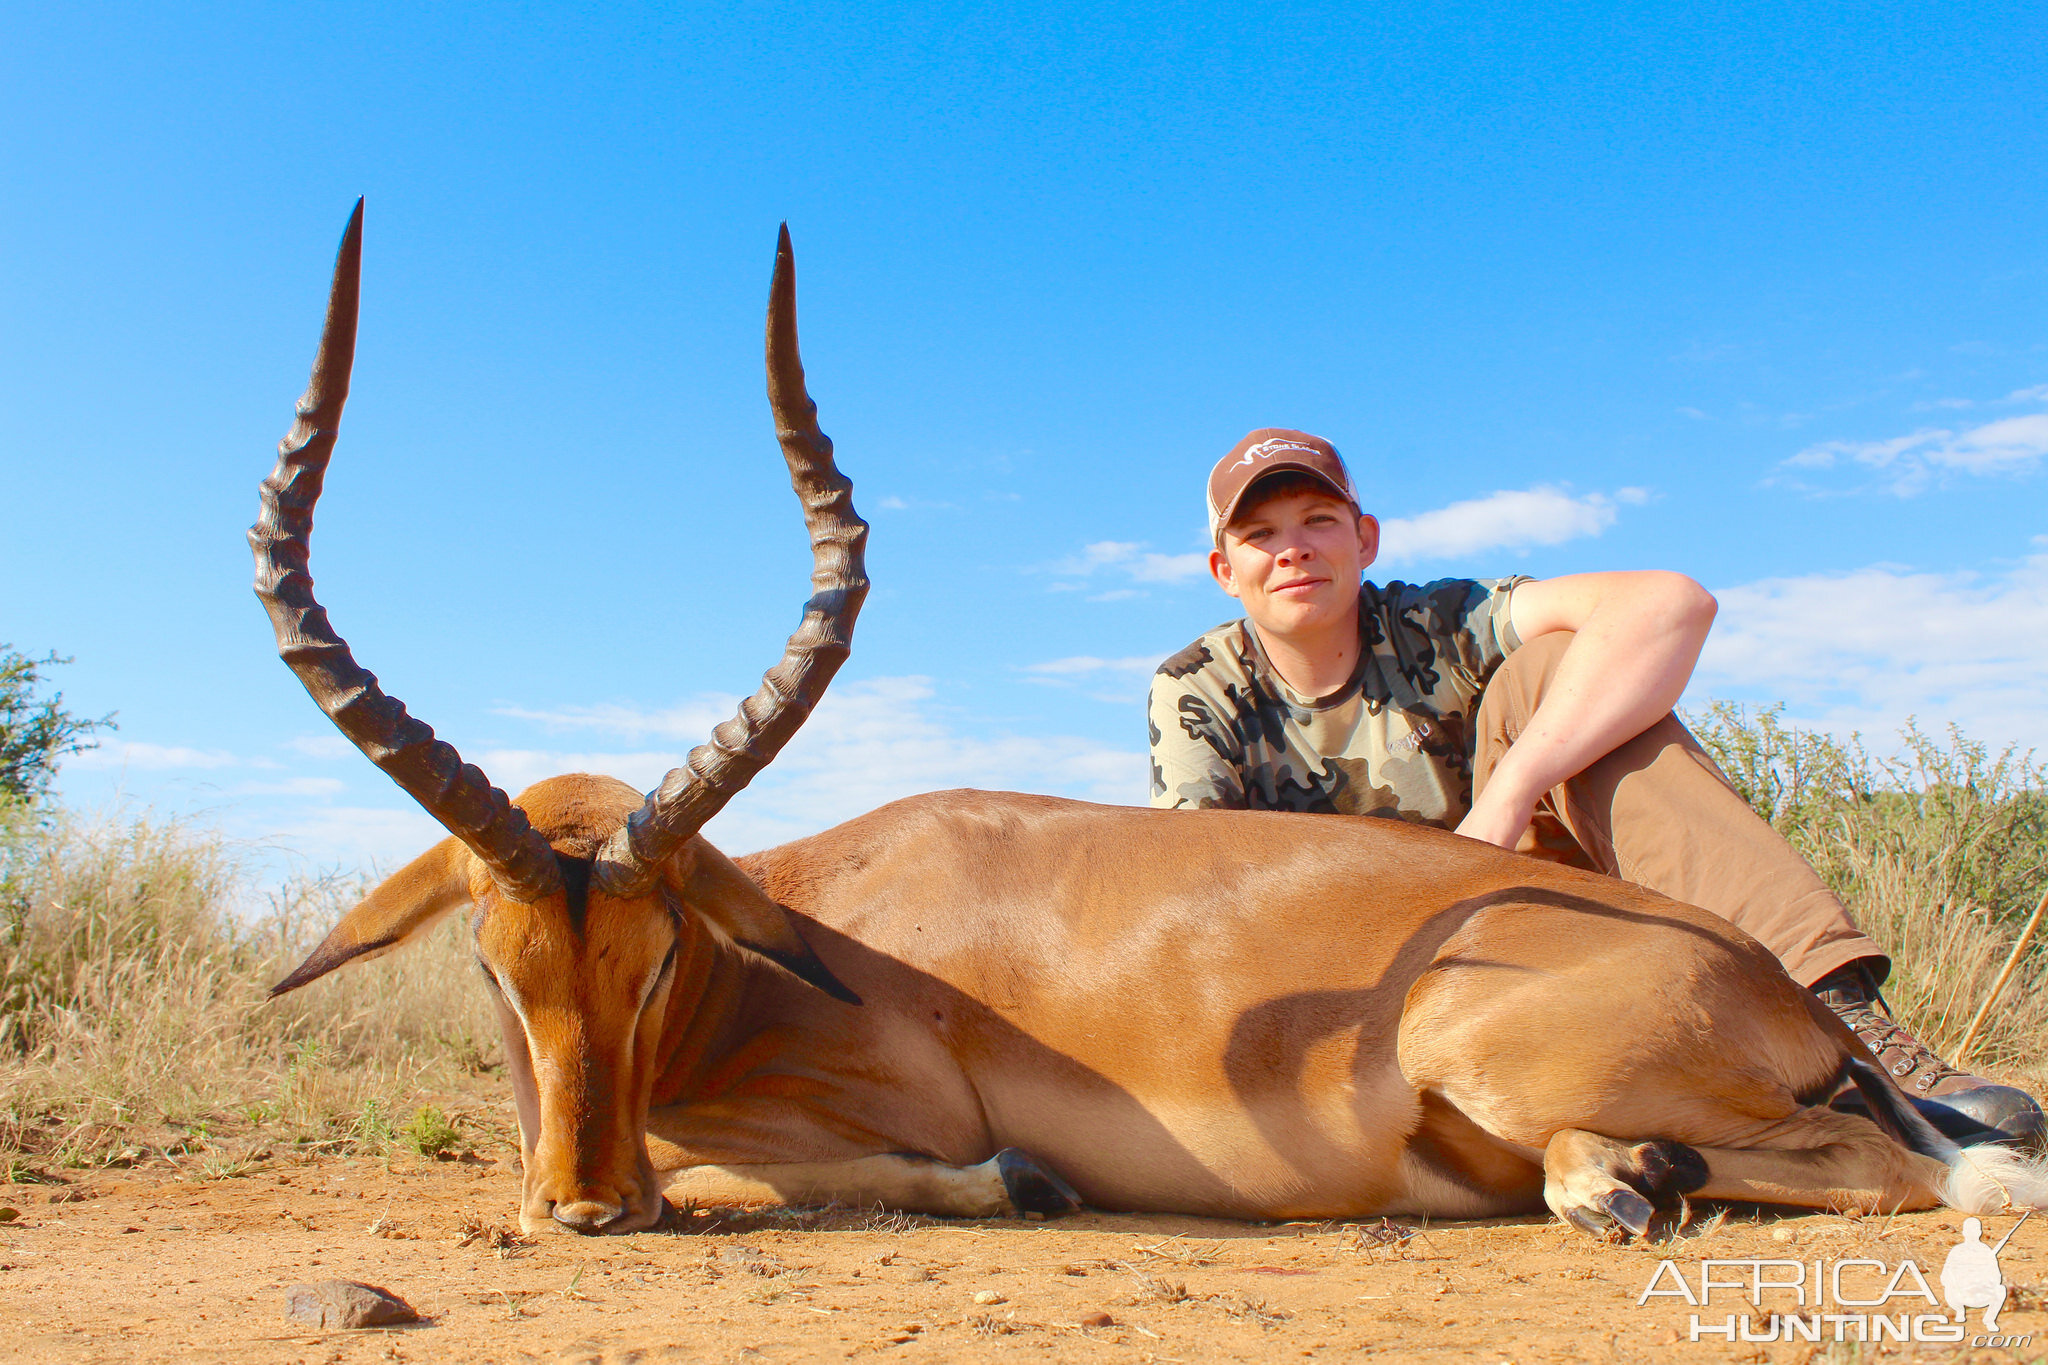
(9, 1215)
(987, 1296)
(345, 1303)
(1098, 1320)
(1784, 1235)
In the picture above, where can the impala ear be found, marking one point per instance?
(712, 885)
(405, 905)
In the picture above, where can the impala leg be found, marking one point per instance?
(1010, 1183)
(1817, 1159)
(1821, 1159)
(1598, 1184)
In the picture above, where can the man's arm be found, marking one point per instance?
(1638, 636)
(1193, 767)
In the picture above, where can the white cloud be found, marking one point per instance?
(325, 745)
(292, 786)
(1910, 464)
(1507, 520)
(1134, 560)
(892, 503)
(868, 743)
(1121, 682)
(155, 757)
(1868, 648)
(691, 720)
(379, 838)
(1079, 664)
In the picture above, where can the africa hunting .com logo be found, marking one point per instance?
(1872, 1300)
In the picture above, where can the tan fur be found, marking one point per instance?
(1233, 1013)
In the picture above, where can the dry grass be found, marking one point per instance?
(134, 1018)
(1940, 852)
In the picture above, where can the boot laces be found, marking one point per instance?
(1898, 1051)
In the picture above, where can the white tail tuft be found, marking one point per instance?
(1988, 1178)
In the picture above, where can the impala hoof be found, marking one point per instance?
(1031, 1187)
(1629, 1209)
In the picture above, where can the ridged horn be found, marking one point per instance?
(717, 770)
(453, 792)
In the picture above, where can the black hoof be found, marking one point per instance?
(1629, 1209)
(1586, 1222)
(1031, 1187)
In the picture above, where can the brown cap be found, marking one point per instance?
(1270, 450)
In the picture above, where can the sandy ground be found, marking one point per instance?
(160, 1264)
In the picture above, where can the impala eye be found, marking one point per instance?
(660, 975)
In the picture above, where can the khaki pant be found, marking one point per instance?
(1658, 813)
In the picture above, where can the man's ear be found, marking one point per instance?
(711, 886)
(1220, 570)
(1368, 539)
(405, 905)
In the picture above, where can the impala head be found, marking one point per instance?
(590, 902)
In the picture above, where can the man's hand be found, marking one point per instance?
(1498, 819)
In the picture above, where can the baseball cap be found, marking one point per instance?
(1269, 450)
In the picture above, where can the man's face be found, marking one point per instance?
(1294, 561)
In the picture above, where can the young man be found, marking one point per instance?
(1535, 715)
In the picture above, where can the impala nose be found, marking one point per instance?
(587, 1215)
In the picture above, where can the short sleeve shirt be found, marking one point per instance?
(1395, 740)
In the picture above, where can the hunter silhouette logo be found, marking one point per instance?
(1970, 1277)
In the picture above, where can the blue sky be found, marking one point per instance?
(1759, 295)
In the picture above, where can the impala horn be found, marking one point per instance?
(717, 770)
(458, 794)
(453, 792)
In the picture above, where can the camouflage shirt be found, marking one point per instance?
(1228, 732)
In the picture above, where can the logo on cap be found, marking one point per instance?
(1268, 448)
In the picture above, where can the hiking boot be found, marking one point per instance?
(1964, 1107)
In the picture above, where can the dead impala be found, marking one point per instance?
(975, 1003)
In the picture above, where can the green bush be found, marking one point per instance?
(1940, 851)
(431, 1132)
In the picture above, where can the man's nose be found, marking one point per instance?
(1294, 552)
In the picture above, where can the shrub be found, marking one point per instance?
(134, 996)
(431, 1132)
(35, 735)
(1940, 851)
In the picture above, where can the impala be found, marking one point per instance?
(976, 1003)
